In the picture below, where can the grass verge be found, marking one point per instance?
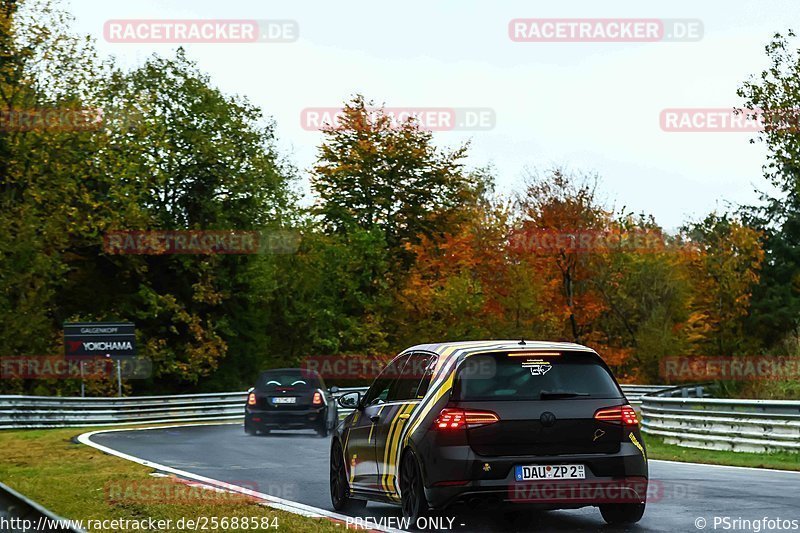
(79, 482)
(658, 449)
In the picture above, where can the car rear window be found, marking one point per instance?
(533, 376)
(298, 379)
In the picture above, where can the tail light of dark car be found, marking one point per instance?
(459, 419)
(317, 398)
(251, 398)
(623, 414)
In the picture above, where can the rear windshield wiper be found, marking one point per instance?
(555, 395)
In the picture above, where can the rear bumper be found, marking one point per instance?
(621, 477)
(274, 419)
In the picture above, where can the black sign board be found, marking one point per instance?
(98, 339)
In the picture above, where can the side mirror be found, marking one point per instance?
(350, 400)
(334, 389)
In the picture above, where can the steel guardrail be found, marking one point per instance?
(685, 416)
(47, 411)
(681, 415)
(18, 513)
(20, 412)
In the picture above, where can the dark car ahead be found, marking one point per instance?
(290, 398)
(512, 423)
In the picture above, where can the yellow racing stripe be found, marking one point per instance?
(390, 449)
(448, 355)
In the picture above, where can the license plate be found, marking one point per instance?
(534, 472)
(284, 399)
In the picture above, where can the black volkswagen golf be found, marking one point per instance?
(290, 398)
(532, 424)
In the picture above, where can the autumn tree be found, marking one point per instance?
(646, 290)
(464, 285)
(724, 258)
(194, 158)
(776, 92)
(171, 152)
(373, 172)
(42, 67)
(558, 204)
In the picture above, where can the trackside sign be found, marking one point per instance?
(99, 339)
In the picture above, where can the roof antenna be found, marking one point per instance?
(522, 342)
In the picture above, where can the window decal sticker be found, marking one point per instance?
(538, 367)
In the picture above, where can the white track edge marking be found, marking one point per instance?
(271, 501)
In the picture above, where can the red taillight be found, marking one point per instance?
(463, 419)
(623, 413)
(251, 399)
(317, 398)
(450, 419)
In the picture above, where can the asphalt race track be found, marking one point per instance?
(294, 465)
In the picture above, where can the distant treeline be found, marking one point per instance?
(403, 242)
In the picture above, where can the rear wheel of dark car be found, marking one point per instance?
(340, 490)
(322, 426)
(622, 513)
(412, 491)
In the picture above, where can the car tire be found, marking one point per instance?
(412, 489)
(249, 430)
(622, 513)
(322, 429)
(340, 489)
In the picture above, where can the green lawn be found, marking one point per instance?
(71, 480)
(658, 449)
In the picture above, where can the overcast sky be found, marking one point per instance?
(589, 106)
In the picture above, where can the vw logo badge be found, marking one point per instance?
(547, 419)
